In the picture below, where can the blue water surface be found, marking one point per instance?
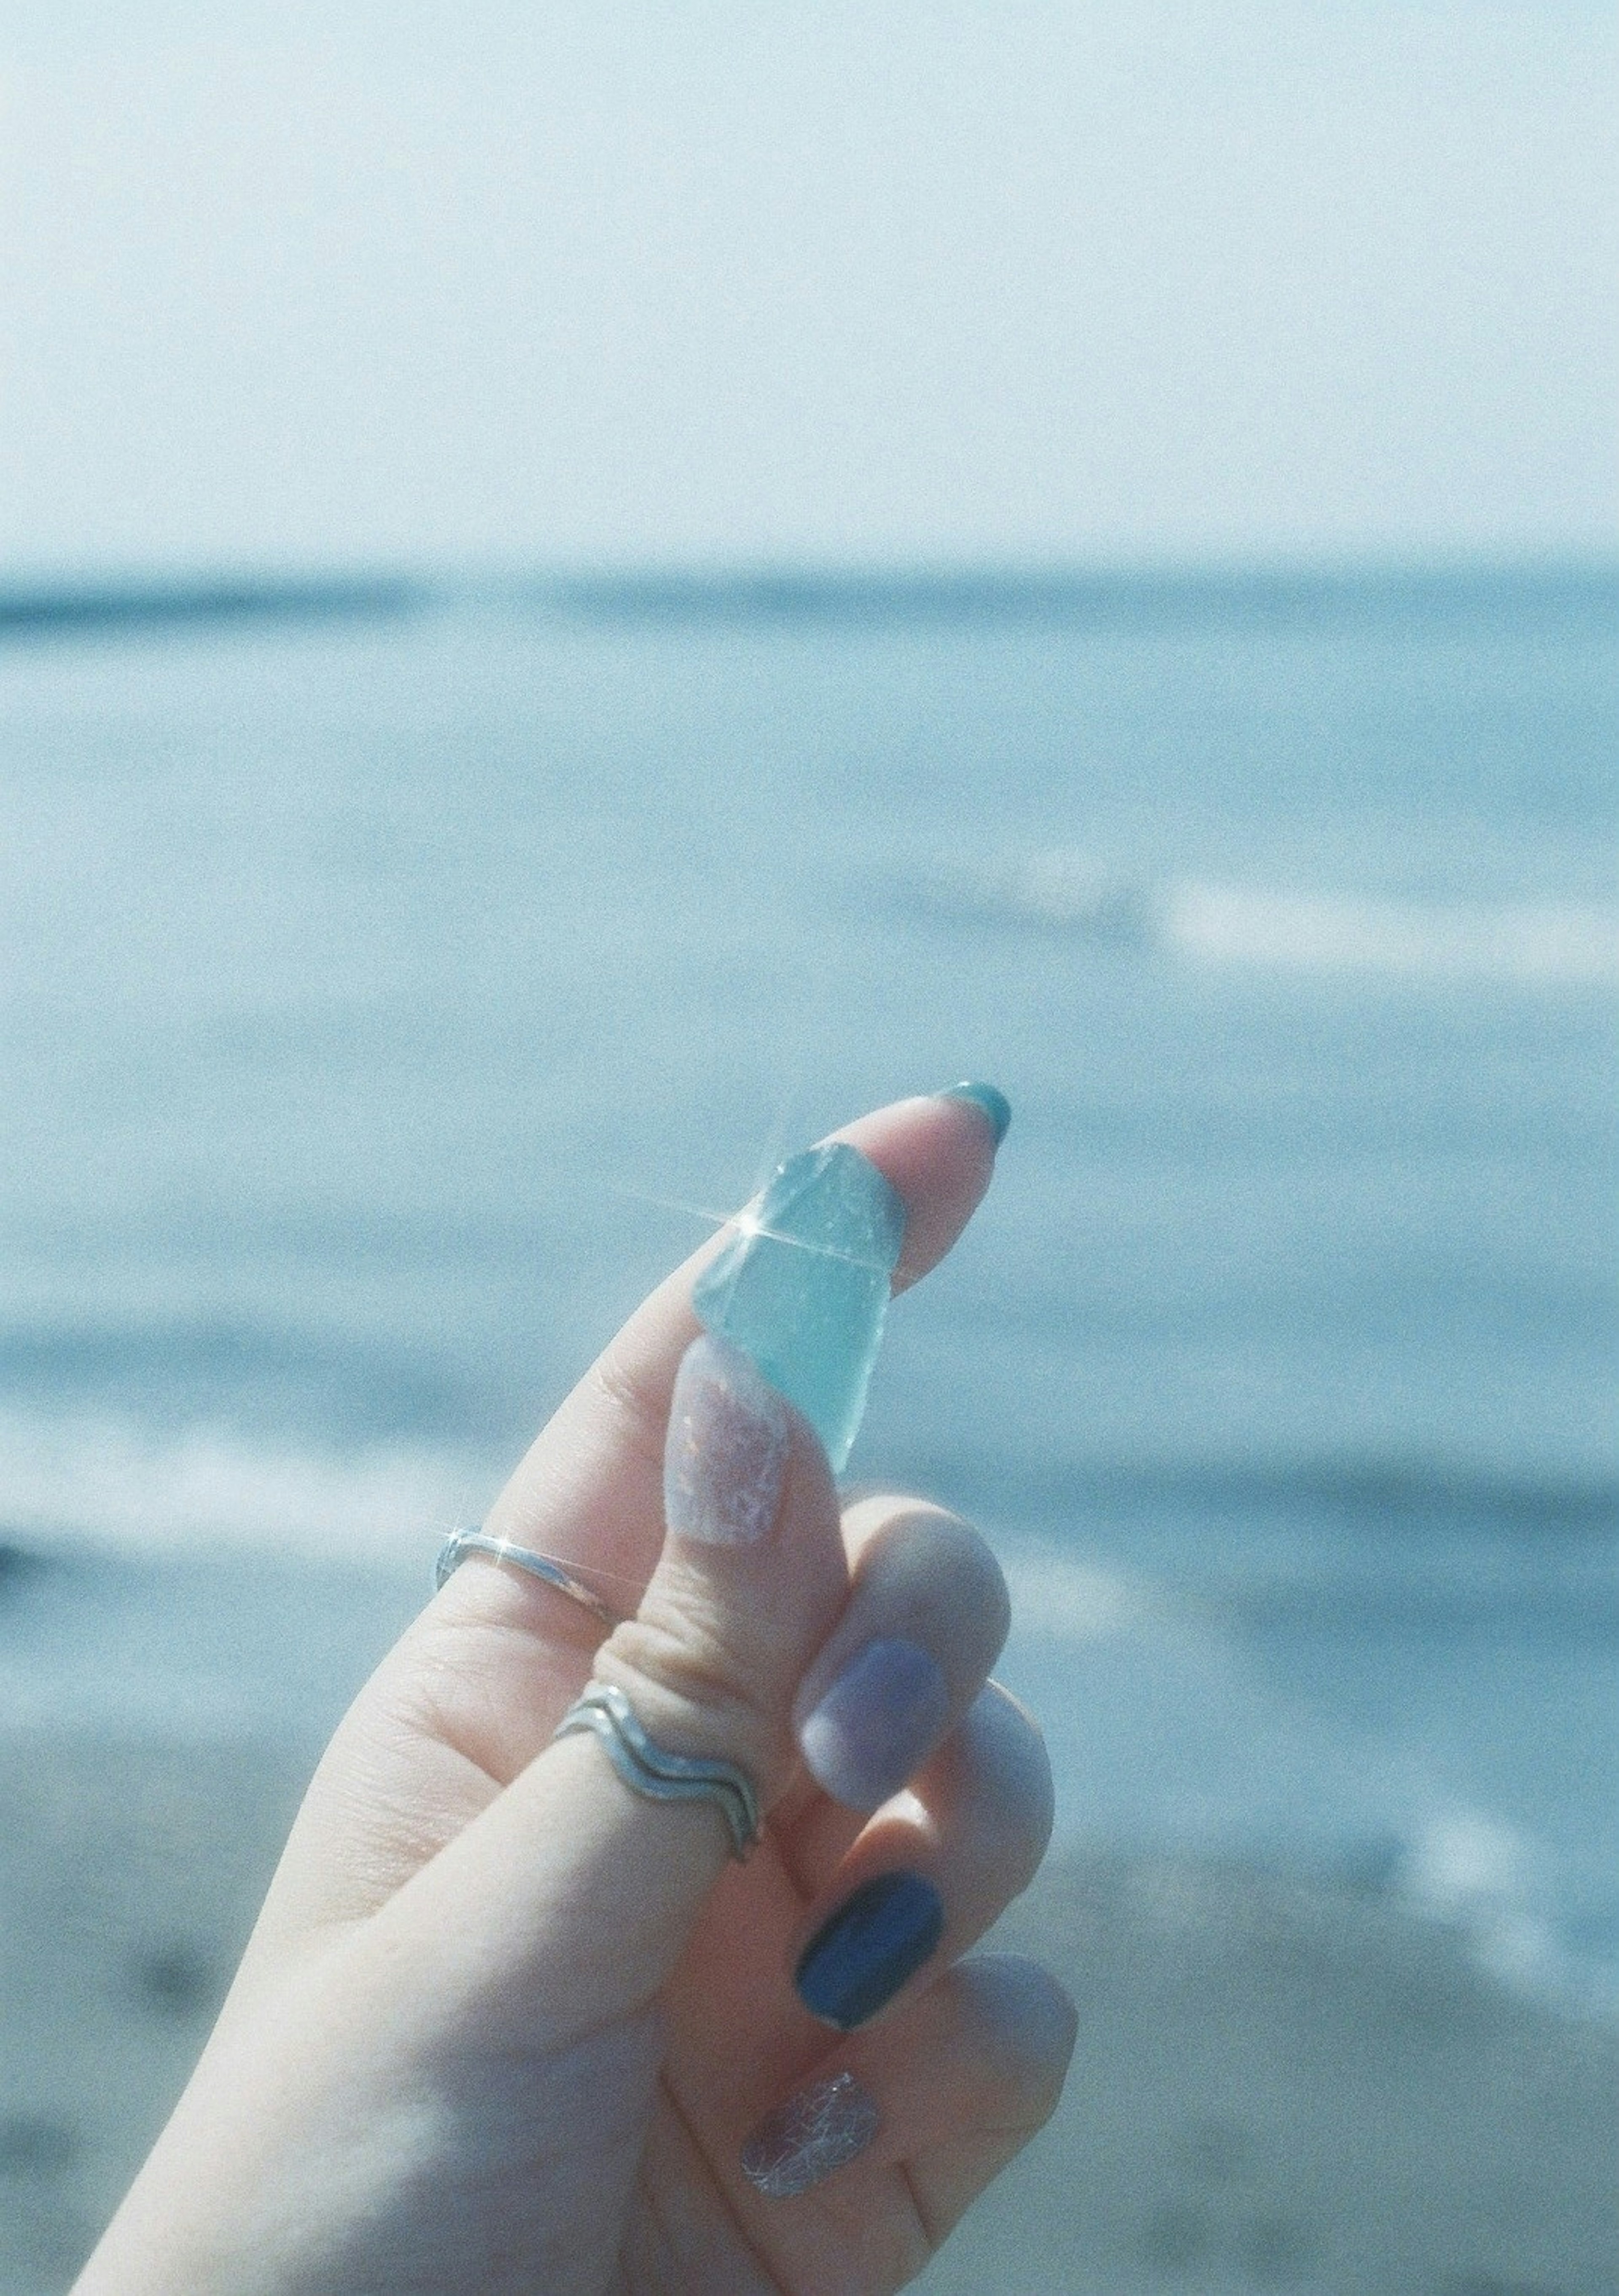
(386, 1004)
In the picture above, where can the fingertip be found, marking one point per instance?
(938, 1150)
(928, 1616)
(1000, 1747)
(1022, 2018)
(989, 1098)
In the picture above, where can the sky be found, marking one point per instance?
(843, 282)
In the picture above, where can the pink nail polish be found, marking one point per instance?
(827, 2124)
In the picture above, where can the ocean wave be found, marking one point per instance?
(346, 1389)
(1163, 1730)
(1530, 945)
(1267, 1541)
(1164, 1727)
(1345, 1550)
(1524, 943)
(1061, 887)
(1356, 1492)
(69, 1480)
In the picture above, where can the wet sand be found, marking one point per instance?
(1277, 2088)
(130, 1877)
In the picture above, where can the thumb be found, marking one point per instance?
(573, 1894)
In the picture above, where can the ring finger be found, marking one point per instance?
(926, 1877)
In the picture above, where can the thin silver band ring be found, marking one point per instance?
(476, 1541)
(649, 1769)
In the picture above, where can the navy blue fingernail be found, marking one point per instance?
(994, 1104)
(857, 1960)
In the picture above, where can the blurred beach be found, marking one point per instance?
(1279, 2085)
(389, 997)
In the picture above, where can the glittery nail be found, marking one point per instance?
(726, 1449)
(826, 2124)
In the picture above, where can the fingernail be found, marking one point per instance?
(994, 1104)
(802, 1287)
(875, 1941)
(726, 1449)
(871, 1729)
(803, 2141)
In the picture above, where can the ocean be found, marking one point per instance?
(390, 996)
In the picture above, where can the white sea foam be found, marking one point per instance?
(1161, 1730)
(63, 1478)
(1526, 944)
(1546, 945)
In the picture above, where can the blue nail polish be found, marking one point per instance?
(857, 1962)
(994, 1104)
(802, 1287)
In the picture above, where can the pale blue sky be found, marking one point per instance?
(731, 279)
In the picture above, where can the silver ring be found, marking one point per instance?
(649, 1769)
(475, 1541)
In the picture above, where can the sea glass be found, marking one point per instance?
(802, 1287)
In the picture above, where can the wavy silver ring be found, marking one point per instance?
(475, 1541)
(648, 1768)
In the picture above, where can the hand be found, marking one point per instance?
(505, 2025)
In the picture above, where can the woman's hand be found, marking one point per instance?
(504, 2025)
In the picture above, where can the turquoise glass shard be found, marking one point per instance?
(802, 1288)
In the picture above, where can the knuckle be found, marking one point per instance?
(640, 1413)
(692, 1690)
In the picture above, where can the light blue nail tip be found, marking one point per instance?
(994, 1104)
(802, 1288)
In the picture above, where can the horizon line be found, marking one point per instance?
(756, 589)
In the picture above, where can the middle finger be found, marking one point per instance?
(930, 1873)
(925, 1620)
